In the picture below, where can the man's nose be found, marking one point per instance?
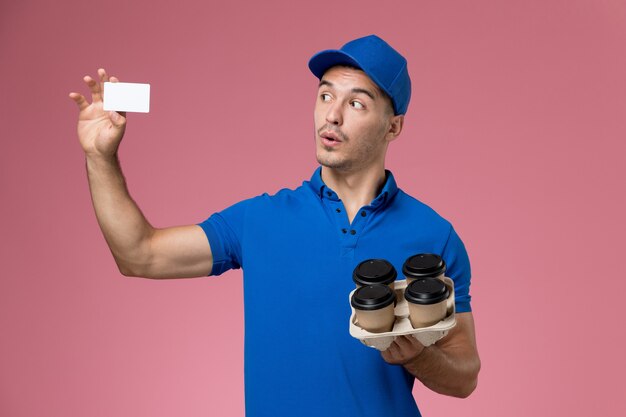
(334, 115)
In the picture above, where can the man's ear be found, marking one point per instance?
(395, 127)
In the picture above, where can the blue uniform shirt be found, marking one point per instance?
(298, 250)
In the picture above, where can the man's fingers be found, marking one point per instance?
(97, 89)
(404, 343)
(94, 87)
(416, 343)
(392, 352)
(409, 348)
(402, 350)
(79, 99)
(387, 356)
(97, 86)
(103, 77)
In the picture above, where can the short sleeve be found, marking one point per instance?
(458, 269)
(224, 230)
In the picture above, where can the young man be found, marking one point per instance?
(298, 249)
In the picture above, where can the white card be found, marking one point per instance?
(127, 97)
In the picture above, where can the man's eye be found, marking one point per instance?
(325, 97)
(357, 105)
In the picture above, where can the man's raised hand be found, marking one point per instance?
(100, 132)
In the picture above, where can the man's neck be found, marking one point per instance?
(355, 189)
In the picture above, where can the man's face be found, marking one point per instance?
(352, 121)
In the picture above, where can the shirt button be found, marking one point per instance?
(363, 213)
(338, 210)
(344, 230)
(353, 232)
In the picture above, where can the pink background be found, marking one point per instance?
(515, 133)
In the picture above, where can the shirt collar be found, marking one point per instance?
(388, 191)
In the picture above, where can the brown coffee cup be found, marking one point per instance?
(427, 300)
(373, 306)
(374, 271)
(423, 265)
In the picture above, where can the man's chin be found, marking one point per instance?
(332, 163)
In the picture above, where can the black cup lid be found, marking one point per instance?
(372, 297)
(374, 271)
(423, 265)
(426, 291)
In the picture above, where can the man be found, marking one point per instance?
(298, 249)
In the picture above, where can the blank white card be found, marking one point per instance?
(131, 97)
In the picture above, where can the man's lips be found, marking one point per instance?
(330, 138)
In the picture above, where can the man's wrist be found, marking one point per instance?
(95, 160)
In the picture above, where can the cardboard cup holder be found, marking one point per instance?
(402, 325)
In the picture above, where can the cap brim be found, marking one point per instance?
(322, 61)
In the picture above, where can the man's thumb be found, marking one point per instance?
(117, 119)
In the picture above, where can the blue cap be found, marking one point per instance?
(383, 64)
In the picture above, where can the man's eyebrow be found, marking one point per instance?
(325, 82)
(364, 91)
(354, 90)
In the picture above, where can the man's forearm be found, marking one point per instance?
(451, 372)
(124, 226)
